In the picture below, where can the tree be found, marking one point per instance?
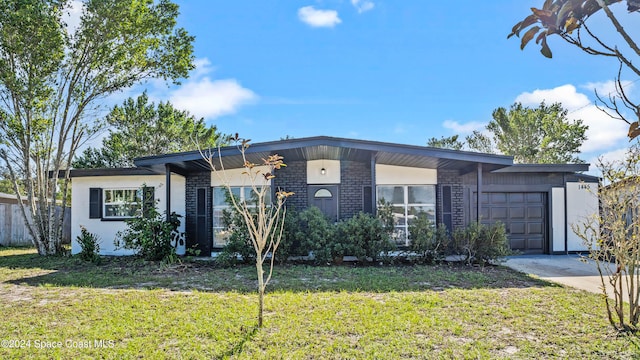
(480, 142)
(612, 238)
(542, 135)
(52, 78)
(264, 221)
(139, 128)
(569, 19)
(450, 142)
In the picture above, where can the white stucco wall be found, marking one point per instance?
(582, 203)
(235, 177)
(398, 175)
(558, 224)
(107, 230)
(331, 175)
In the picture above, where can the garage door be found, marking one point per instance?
(523, 214)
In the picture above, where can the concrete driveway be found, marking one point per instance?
(570, 270)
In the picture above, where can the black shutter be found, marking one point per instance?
(95, 203)
(367, 205)
(203, 236)
(447, 213)
(148, 200)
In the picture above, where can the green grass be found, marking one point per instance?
(195, 311)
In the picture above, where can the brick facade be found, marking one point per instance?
(453, 179)
(193, 182)
(354, 176)
(293, 177)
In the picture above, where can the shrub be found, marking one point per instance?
(308, 232)
(430, 243)
(89, 245)
(290, 242)
(150, 235)
(239, 248)
(365, 237)
(493, 244)
(317, 236)
(480, 243)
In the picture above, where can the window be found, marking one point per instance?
(221, 232)
(407, 201)
(323, 193)
(120, 203)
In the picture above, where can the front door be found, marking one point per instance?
(325, 197)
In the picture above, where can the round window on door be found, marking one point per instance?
(323, 194)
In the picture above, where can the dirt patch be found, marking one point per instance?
(16, 293)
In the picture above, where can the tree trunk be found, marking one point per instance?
(260, 272)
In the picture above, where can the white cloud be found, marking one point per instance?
(204, 97)
(466, 128)
(603, 131)
(318, 18)
(203, 67)
(570, 98)
(608, 157)
(211, 99)
(608, 88)
(363, 5)
(72, 14)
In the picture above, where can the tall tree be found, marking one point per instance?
(450, 142)
(569, 19)
(537, 135)
(480, 142)
(541, 135)
(52, 78)
(139, 128)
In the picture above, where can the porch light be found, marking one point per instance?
(323, 171)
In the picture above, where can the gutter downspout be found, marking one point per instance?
(566, 223)
(374, 205)
(479, 192)
(167, 172)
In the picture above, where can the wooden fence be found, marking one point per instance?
(13, 231)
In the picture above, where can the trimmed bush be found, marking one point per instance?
(428, 242)
(365, 237)
(314, 235)
(481, 244)
(238, 248)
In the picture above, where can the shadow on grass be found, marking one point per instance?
(134, 273)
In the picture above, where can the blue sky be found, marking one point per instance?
(395, 71)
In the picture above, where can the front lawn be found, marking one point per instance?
(127, 308)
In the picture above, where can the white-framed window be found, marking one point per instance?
(221, 232)
(122, 203)
(407, 201)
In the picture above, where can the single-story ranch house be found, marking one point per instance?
(537, 203)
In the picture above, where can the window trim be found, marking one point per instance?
(406, 205)
(139, 200)
(242, 190)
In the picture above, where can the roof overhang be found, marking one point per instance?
(543, 168)
(75, 173)
(328, 148)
